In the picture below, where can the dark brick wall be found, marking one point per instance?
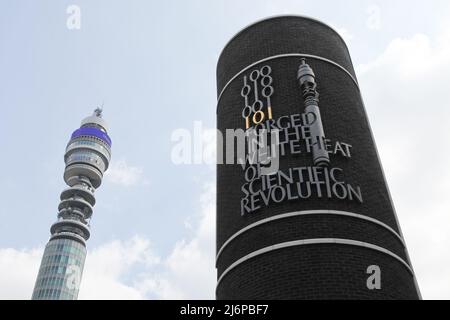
(343, 119)
(278, 36)
(316, 272)
(309, 227)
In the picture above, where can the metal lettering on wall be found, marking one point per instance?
(297, 133)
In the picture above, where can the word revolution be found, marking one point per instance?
(294, 184)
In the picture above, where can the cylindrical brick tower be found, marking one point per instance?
(320, 223)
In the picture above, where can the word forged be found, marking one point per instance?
(294, 184)
(293, 136)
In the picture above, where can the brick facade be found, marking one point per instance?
(311, 271)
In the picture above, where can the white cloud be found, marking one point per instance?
(189, 271)
(131, 269)
(121, 173)
(406, 90)
(18, 271)
(109, 270)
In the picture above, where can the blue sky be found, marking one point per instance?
(152, 64)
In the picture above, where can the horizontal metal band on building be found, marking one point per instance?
(286, 55)
(305, 213)
(313, 242)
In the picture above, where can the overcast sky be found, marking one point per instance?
(152, 64)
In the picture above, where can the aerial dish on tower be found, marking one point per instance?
(98, 111)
